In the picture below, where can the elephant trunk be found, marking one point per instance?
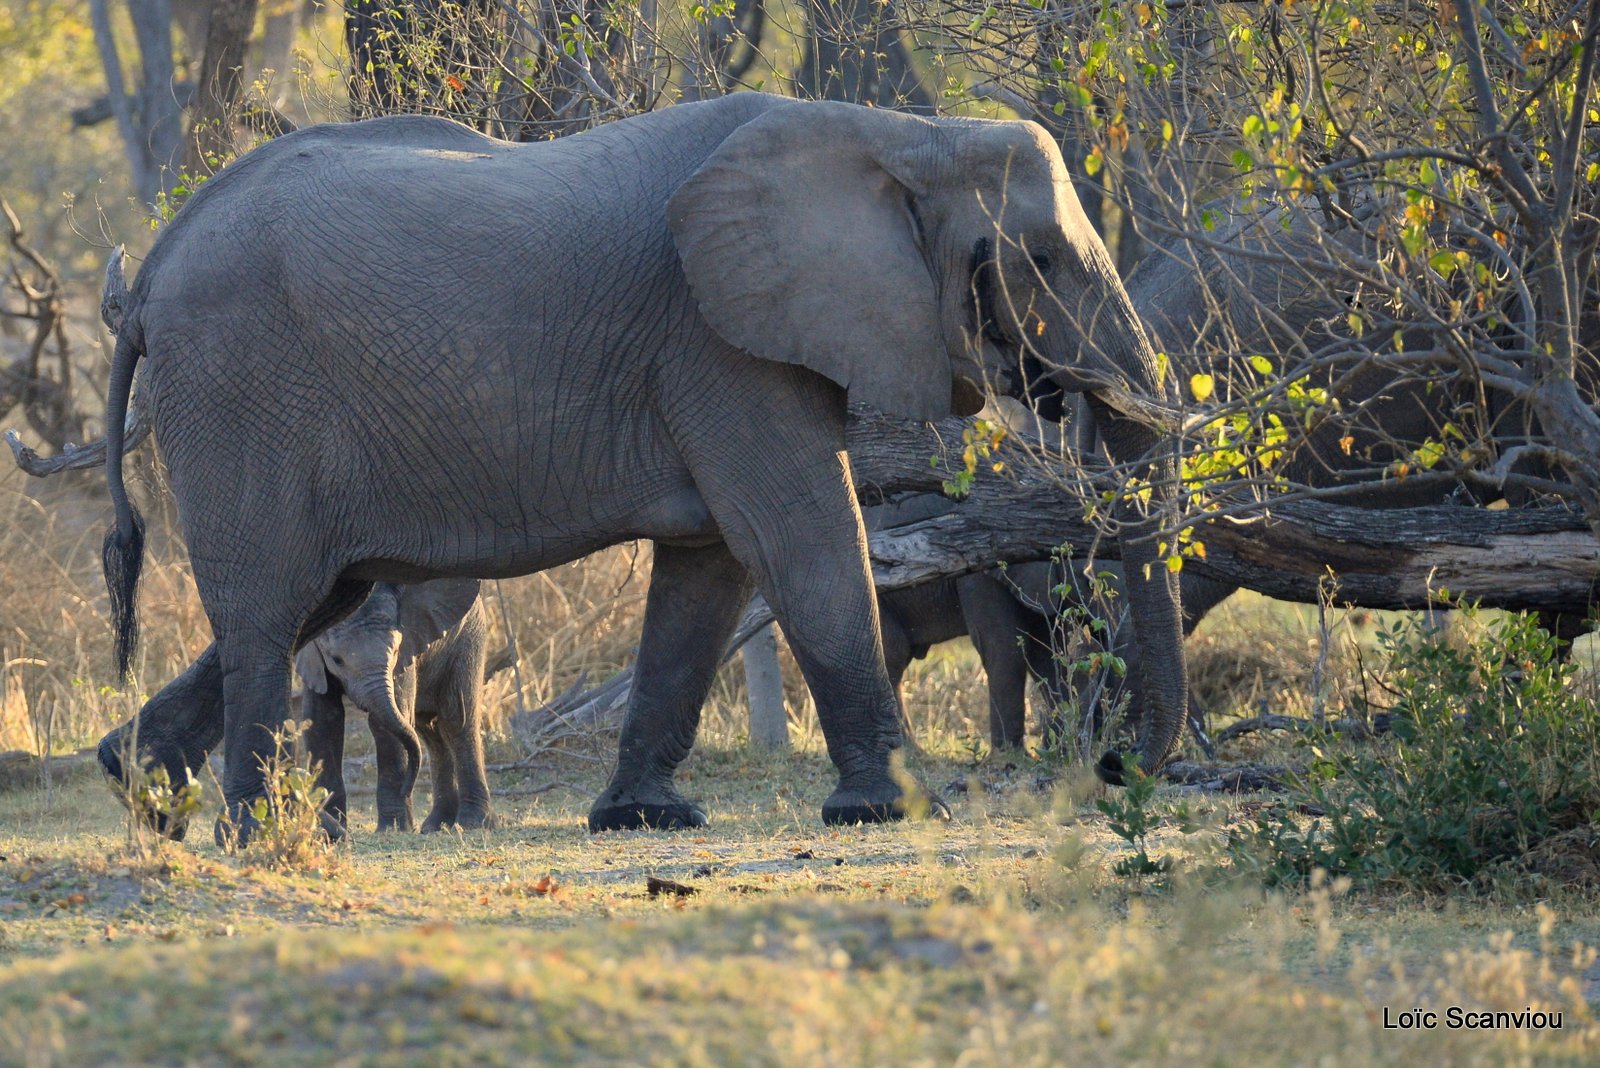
(376, 697)
(1152, 590)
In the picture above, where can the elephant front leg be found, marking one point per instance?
(695, 599)
(813, 571)
(394, 782)
(325, 748)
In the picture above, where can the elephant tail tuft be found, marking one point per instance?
(122, 558)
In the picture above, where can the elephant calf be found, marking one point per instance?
(412, 658)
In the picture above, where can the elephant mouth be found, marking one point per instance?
(966, 396)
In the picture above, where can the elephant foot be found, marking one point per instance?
(471, 819)
(882, 803)
(333, 826)
(467, 820)
(619, 809)
(237, 826)
(396, 820)
(109, 753)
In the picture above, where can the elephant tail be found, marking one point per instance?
(122, 556)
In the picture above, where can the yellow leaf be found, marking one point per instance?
(1202, 386)
(1174, 563)
(1498, 505)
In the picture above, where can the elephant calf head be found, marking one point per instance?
(373, 658)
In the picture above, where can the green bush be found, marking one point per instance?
(1493, 757)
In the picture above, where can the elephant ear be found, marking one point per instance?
(312, 668)
(801, 240)
(428, 610)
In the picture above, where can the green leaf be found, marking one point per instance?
(1261, 364)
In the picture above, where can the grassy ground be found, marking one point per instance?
(1001, 937)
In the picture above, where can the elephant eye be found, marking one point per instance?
(1041, 263)
(339, 660)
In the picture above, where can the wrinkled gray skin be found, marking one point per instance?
(397, 350)
(411, 657)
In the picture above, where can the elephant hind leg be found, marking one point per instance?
(462, 730)
(898, 652)
(175, 730)
(995, 625)
(696, 595)
(446, 798)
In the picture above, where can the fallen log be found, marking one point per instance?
(1400, 558)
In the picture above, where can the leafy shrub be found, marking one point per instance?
(1131, 817)
(289, 818)
(1494, 756)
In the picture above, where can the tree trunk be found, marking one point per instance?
(221, 78)
(769, 723)
(854, 52)
(151, 120)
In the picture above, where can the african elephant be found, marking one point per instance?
(1013, 616)
(412, 658)
(527, 352)
(1006, 613)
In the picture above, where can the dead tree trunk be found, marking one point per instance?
(1405, 558)
(151, 120)
(221, 79)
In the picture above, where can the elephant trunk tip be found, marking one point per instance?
(1109, 768)
(1112, 767)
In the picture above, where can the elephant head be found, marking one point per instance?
(898, 256)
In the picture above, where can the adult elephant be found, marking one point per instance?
(397, 350)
